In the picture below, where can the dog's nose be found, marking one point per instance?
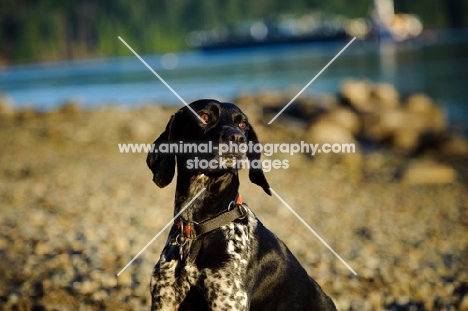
(234, 136)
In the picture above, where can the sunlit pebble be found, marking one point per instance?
(367, 273)
(342, 303)
(338, 285)
(42, 248)
(78, 246)
(63, 258)
(62, 278)
(361, 305)
(125, 279)
(422, 291)
(403, 299)
(100, 295)
(109, 260)
(375, 300)
(85, 287)
(13, 299)
(109, 281)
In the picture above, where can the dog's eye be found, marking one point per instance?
(242, 125)
(205, 117)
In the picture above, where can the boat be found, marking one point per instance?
(382, 24)
(259, 33)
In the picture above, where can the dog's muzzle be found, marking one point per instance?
(233, 145)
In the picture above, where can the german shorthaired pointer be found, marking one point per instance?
(218, 255)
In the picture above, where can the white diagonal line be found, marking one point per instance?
(159, 233)
(313, 79)
(162, 80)
(313, 231)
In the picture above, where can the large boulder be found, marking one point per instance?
(425, 114)
(345, 118)
(385, 96)
(357, 94)
(326, 131)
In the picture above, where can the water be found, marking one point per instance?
(437, 68)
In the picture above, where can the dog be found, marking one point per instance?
(218, 255)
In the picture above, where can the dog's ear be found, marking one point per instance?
(256, 174)
(162, 165)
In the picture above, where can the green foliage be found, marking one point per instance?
(33, 30)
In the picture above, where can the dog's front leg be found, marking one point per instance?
(224, 289)
(163, 291)
(171, 281)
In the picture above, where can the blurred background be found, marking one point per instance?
(74, 210)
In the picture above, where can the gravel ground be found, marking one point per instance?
(74, 211)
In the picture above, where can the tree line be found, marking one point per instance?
(33, 30)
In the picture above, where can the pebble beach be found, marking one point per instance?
(75, 210)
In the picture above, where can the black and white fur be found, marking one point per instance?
(239, 266)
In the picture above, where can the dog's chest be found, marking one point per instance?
(237, 241)
(225, 286)
(230, 244)
(222, 282)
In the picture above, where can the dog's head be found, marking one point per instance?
(222, 143)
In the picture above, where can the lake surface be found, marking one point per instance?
(437, 66)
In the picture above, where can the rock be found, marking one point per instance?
(428, 172)
(245, 99)
(427, 113)
(305, 109)
(406, 139)
(464, 304)
(13, 298)
(86, 287)
(100, 295)
(394, 120)
(328, 132)
(42, 248)
(6, 106)
(121, 244)
(328, 102)
(419, 103)
(371, 129)
(70, 108)
(455, 146)
(436, 119)
(109, 281)
(60, 299)
(270, 98)
(109, 260)
(357, 94)
(324, 132)
(402, 127)
(381, 126)
(375, 300)
(345, 118)
(386, 95)
(125, 279)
